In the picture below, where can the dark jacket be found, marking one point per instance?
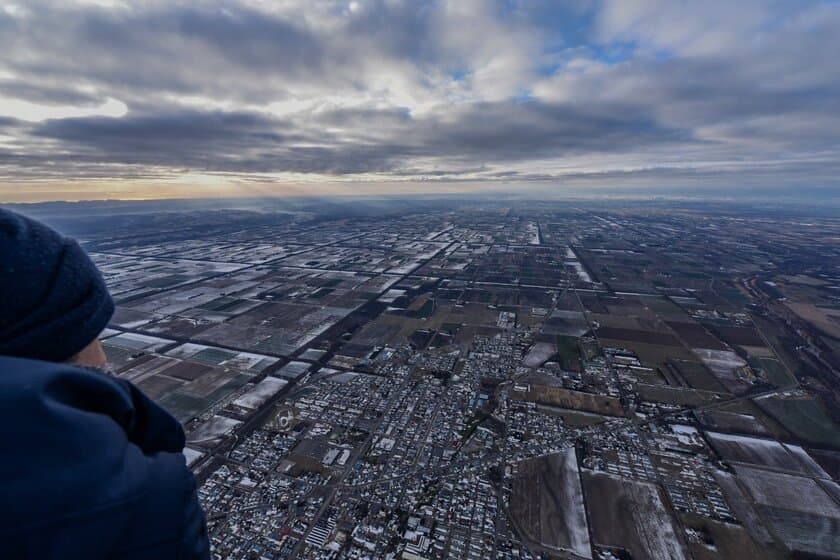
(90, 469)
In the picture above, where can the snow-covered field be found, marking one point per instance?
(245, 361)
(213, 428)
(791, 492)
(261, 392)
(191, 455)
(135, 341)
(574, 512)
(538, 354)
(391, 295)
(293, 370)
(723, 363)
(765, 452)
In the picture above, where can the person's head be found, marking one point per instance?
(53, 300)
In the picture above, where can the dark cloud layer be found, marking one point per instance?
(240, 142)
(440, 90)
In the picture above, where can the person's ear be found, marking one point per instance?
(92, 355)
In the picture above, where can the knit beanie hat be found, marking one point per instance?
(53, 300)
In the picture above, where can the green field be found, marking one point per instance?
(805, 418)
(568, 351)
(774, 369)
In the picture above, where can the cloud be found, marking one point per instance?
(478, 90)
(347, 141)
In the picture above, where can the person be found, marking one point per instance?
(91, 467)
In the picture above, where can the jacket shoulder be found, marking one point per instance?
(95, 467)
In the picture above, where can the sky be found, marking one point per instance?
(164, 98)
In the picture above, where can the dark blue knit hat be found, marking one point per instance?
(53, 300)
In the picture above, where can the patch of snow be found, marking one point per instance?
(261, 392)
(215, 427)
(192, 456)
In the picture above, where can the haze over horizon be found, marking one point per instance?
(107, 99)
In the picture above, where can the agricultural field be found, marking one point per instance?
(547, 503)
(646, 529)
